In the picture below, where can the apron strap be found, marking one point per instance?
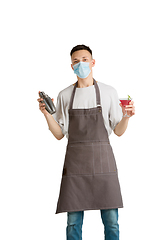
(97, 94)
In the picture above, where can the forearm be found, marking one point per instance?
(54, 126)
(121, 126)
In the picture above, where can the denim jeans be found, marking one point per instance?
(109, 219)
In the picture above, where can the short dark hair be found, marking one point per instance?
(80, 47)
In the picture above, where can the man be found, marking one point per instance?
(87, 112)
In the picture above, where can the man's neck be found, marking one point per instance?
(85, 82)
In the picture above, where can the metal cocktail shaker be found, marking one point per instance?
(49, 105)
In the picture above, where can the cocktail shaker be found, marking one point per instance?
(49, 105)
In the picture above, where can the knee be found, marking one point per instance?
(75, 218)
(110, 217)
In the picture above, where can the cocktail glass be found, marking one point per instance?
(125, 102)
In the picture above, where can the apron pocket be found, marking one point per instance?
(104, 160)
(79, 160)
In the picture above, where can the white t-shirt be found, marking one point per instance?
(86, 98)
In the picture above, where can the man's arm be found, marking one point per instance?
(122, 125)
(54, 127)
(52, 124)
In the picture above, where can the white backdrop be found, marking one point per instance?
(35, 43)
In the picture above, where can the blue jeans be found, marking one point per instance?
(109, 219)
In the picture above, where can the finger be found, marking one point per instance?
(129, 109)
(130, 106)
(131, 103)
(42, 104)
(40, 99)
(42, 108)
(121, 105)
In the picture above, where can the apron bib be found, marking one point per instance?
(90, 178)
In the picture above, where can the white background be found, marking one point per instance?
(35, 43)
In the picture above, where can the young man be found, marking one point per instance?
(87, 112)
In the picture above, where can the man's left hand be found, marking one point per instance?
(129, 108)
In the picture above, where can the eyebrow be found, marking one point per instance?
(77, 58)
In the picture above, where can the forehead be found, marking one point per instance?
(81, 54)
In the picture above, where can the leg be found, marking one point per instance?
(74, 225)
(110, 221)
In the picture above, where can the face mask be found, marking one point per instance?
(82, 69)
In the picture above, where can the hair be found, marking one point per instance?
(80, 47)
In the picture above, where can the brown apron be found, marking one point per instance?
(90, 179)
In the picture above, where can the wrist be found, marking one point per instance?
(46, 114)
(125, 119)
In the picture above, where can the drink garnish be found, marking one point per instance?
(129, 98)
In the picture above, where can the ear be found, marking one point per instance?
(93, 62)
(72, 66)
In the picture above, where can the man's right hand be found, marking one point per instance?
(52, 124)
(42, 105)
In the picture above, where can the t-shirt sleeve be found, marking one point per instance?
(60, 115)
(115, 113)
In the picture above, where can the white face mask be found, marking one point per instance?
(82, 69)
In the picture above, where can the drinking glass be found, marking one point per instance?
(125, 102)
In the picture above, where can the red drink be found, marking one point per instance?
(124, 101)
